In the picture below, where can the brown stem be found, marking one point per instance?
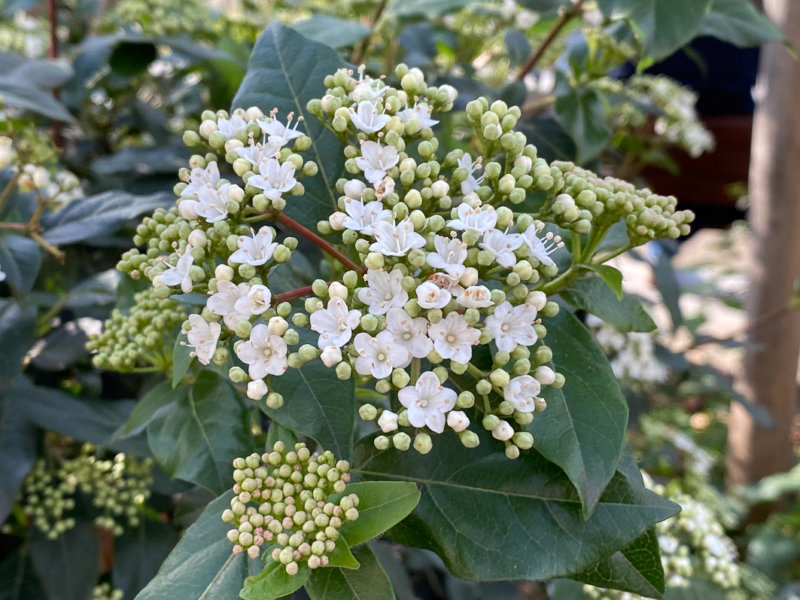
(292, 295)
(9, 189)
(565, 17)
(15, 226)
(361, 49)
(320, 243)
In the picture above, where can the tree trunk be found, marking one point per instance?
(770, 367)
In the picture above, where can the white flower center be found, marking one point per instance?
(407, 335)
(267, 352)
(505, 327)
(341, 325)
(381, 357)
(450, 338)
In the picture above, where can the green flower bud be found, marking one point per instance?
(291, 337)
(469, 438)
(237, 375)
(523, 418)
(522, 366)
(499, 377)
(512, 451)
(542, 355)
(483, 387)
(422, 442)
(243, 329)
(401, 441)
(274, 400)
(344, 370)
(367, 412)
(381, 442)
(298, 319)
(400, 378)
(369, 322)
(550, 309)
(374, 261)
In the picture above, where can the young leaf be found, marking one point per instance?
(612, 277)
(341, 555)
(594, 296)
(381, 506)
(370, 582)
(274, 582)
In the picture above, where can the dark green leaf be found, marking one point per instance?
(285, 71)
(583, 428)
(202, 432)
(17, 330)
(341, 555)
(519, 48)
(612, 277)
(19, 579)
(202, 566)
(317, 404)
(594, 296)
(17, 448)
(274, 582)
(21, 94)
(181, 360)
(153, 405)
(664, 25)
(332, 31)
(64, 572)
(739, 22)
(382, 505)
(370, 582)
(138, 554)
(137, 161)
(84, 219)
(490, 518)
(580, 112)
(46, 74)
(20, 258)
(547, 134)
(668, 285)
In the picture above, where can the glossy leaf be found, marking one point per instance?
(285, 71)
(274, 582)
(202, 566)
(341, 556)
(595, 297)
(739, 22)
(580, 112)
(17, 330)
(181, 360)
(518, 46)
(202, 432)
(138, 554)
(382, 505)
(64, 573)
(317, 404)
(370, 582)
(332, 31)
(21, 258)
(152, 405)
(612, 276)
(490, 518)
(583, 428)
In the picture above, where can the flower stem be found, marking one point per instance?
(565, 17)
(292, 295)
(320, 243)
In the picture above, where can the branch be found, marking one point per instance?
(565, 17)
(292, 295)
(320, 243)
(361, 49)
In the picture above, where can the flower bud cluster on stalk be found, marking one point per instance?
(283, 503)
(117, 487)
(447, 262)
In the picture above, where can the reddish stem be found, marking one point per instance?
(565, 18)
(320, 243)
(292, 295)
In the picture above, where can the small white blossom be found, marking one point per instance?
(367, 88)
(335, 323)
(453, 338)
(203, 338)
(255, 249)
(256, 301)
(277, 133)
(210, 203)
(503, 431)
(367, 118)
(409, 332)
(385, 291)
(541, 249)
(277, 325)
(336, 289)
(421, 113)
(361, 217)
(256, 153)
(502, 246)
(395, 240)
(457, 420)
(430, 295)
(475, 296)
(226, 302)
(275, 178)
(257, 389)
(264, 352)
(512, 325)
(379, 355)
(355, 188)
(331, 356)
(387, 421)
(479, 220)
(450, 255)
(521, 391)
(427, 402)
(200, 178)
(375, 160)
(470, 184)
(232, 127)
(179, 274)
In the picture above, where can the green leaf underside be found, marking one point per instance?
(202, 432)
(285, 71)
(317, 404)
(595, 297)
(369, 582)
(274, 582)
(382, 504)
(583, 428)
(739, 22)
(490, 518)
(202, 566)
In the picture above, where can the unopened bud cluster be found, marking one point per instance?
(105, 591)
(283, 500)
(117, 487)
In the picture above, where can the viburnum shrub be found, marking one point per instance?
(440, 319)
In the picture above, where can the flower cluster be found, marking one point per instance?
(632, 354)
(118, 488)
(283, 500)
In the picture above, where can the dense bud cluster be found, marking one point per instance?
(283, 500)
(117, 487)
(105, 591)
(160, 18)
(143, 335)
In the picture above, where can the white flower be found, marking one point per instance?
(255, 153)
(470, 184)
(430, 295)
(427, 402)
(457, 420)
(331, 356)
(420, 113)
(479, 220)
(255, 302)
(450, 255)
(409, 332)
(385, 291)
(179, 274)
(387, 421)
(354, 188)
(503, 431)
(367, 88)
(203, 338)
(361, 217)
(502, 246)
(395, 240)
(277, 133)
(541, 249)
(275, 178)
(475, 296)
(2, 275)
(521, 391)
(200, 178)
(256, 249)
(512, 325)
(453, 338)
(264, 352)
(367, 118)
(375, 160)
(230, 128)
(210, 203)
(335, 323)
(257, 389)
(226, 302)
(379, 355)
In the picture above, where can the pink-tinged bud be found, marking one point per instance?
(503, 431)
(188, 209)
(257, 389)
(331, 356)
(457, 420)
(336, 221)
(387, 421)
